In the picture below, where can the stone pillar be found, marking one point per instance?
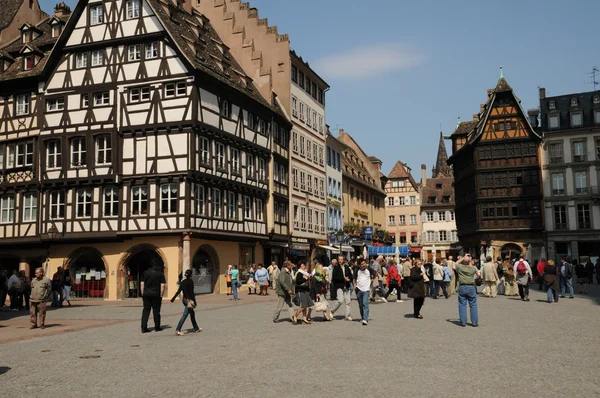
(186, 261)
(24, 266)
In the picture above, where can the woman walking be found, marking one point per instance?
(303, 294)
(466, 290)
(393, 282)
(317, 292)
(416, 288)
(188, 301)
(235, 281)
(262, 278)
(551, 280)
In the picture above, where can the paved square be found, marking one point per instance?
(520, 350)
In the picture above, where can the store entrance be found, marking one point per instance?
(88, 273)
(137, 264)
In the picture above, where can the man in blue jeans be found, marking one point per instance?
(467, 291)
(566, 278)
(363, 278)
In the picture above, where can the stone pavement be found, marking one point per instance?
(520, 350)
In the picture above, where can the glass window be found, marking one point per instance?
(57, 204)
(78, 152)
(133, 9)
(53, 155)
(111, 202)
(391, 220)
(24, 154)
(84, 202)
(556, 153)
(576, 119)
(220, 156)
(583, 216)
(597, 117)
(581, 182)
(96, 14)
(139, 200)
(97, 58)
(402, 220)
(560, 217)
(262, 173)
(7, 208)
(235, 160)
(22, 104)
(199, 197)
(247, 207)
(429, 216)
(101, 98)
(225, 111)
(553, 122)
(231, 205)
(259, 210)
(413, 219)
(133, 52)
(152, 50)
(30, 207)
(558, 184)
(579, 151)
(81, 60)
(216, 202)
(204, 151)
(250, 171)
(168, 199)
(103, 150)
(55, 104)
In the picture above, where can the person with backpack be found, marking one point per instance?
(523, 275)
(566, 275)
(510, 286)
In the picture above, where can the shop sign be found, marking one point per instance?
(299, 240)
(368, 233)
(361, 213)
(322, 242)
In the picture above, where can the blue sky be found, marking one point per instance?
(398, 69)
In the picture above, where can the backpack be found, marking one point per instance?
(521, 267)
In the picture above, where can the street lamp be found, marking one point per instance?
(53, 232)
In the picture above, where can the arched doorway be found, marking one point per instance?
(135, 262)
(88, 271)
(205, 265)
(9, 264)
(512, 251)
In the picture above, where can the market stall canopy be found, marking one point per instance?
(388, 250)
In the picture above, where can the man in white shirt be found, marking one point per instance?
(363, 278)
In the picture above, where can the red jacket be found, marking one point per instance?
(540, 267)
(393, 274)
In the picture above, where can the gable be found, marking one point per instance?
(505, 120)
(114, 19)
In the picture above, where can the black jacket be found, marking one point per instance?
(337, 277)
(187, 287)
(302, 285)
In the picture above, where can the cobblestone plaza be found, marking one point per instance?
(95, 349)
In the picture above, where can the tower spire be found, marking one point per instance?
(441, 164)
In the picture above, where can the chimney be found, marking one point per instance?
(533, 117)
(542, 93)
(423, 175)
(61, 10)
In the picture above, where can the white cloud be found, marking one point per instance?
(366, 61)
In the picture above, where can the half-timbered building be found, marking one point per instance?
(495, 163)
(151, 141)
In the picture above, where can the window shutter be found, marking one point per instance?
(436, 216)
(437, 235)
(423, 217)
(448, 216)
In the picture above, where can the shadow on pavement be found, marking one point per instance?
(454, 321)
(4, 369)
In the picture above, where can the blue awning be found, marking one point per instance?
(388, 250)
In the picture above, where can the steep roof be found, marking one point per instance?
(42, 45)
(431, 190)
(200, 44)
(401, 170)
(464, 128)
(9, 11)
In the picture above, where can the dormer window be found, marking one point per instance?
(26, 35)
(573, 101)
(596, 99)
(552, 104)
(28, 62)
(56, 29)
